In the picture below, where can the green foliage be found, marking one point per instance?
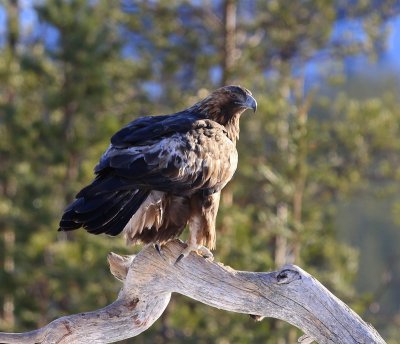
(306, 157)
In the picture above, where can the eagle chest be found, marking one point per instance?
(216, 154)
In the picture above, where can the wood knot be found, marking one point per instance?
(131, 305)
(287, 276)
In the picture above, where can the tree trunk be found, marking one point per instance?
(8, 234)
(228, 63)
(229, 34)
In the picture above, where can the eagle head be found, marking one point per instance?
(226, 104)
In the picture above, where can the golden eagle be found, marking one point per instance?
(161, 173)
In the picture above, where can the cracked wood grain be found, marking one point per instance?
(290, 294)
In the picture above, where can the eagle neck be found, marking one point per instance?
(232, 128)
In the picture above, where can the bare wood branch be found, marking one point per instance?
(290, 294)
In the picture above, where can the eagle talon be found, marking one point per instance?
(200, 250)
(179, 258)
(184, 253)
(157, 246)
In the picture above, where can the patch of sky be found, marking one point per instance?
(3, 21)
(153, 89)
(215, 74)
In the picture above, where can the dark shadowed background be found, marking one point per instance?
(318, 178)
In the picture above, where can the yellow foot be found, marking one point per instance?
(199, 249)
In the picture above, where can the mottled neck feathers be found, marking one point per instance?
(221, 112)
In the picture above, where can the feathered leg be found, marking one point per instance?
(202, 225)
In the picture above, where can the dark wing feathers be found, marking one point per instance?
(114, 218)
(147, 129)
(93, 203)
(68, 225)
(164, 173)
(105, 182)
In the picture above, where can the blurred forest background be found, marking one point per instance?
(318, 179)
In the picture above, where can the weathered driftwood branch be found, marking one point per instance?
(290, 294)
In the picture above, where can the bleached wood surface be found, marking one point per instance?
(290, 294)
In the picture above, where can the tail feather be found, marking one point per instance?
(93, 203)
(67, 225)
(104, 184)
(105, 209)
(118, 223)
(103, 212)
(113, 220)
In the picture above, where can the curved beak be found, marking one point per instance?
(250, 103)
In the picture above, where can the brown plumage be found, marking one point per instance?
(161, 173)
